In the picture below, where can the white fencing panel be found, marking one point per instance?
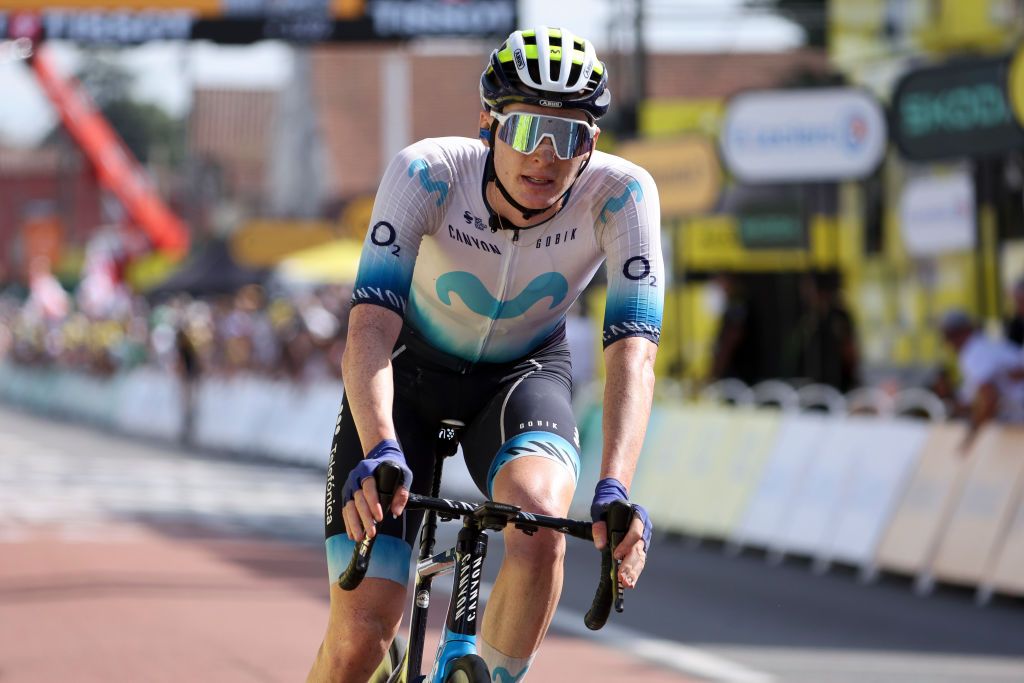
(215, 414)
(878, 479)
(818, 497)
(797, 442)
(149, 403)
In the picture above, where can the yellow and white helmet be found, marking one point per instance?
(550, 67)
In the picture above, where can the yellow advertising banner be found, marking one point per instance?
(674, 116)
(341, 9)
(686, 170)
(207, 8)
(262, 243)
(1015, 85)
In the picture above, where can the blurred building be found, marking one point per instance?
(49, 199)
(373, 100)
(229, 142)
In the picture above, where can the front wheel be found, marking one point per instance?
(468, 669)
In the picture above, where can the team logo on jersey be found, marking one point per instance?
(615, 204)
(422, 168)
(470, 241)
(478, 299)
(557, 238)
(473, 220)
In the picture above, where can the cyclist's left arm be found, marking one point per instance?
(629, 224)
(628, 393)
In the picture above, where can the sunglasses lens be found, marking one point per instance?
(524, 133)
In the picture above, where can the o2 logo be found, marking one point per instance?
(383, 235)
(637, 268)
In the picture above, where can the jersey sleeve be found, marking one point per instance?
(410, 203)
(628, 225)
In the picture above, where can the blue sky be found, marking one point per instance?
(166, 72)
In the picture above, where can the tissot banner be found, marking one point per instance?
(814, 135)
(937, 214)
(120, 22)
(958, 110)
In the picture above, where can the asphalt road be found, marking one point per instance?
(697, 610)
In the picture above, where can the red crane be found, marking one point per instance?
(116, 167)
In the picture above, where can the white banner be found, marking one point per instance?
(820, 134)
(937, 214)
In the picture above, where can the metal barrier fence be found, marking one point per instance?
(836, 479)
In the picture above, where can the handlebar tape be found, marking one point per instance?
(609, 589)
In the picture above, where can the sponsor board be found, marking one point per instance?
(820, 134)
(937, 214)
(686, 170)
(958, 110)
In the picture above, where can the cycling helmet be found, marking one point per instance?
(529, 67)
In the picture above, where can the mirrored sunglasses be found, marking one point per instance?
(524, 132)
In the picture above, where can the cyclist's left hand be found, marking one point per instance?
(632, 550)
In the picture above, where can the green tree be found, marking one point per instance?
(147, 130)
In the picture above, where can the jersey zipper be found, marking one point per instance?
(506, 267)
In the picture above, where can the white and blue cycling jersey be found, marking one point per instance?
(493, 296)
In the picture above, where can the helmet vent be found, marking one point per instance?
(555, 66)
(534, 68)
(574, 72)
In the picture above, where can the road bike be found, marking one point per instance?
(456, 660)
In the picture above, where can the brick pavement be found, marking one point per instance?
(171, 604)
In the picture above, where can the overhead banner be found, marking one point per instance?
(955, 111)
(686, 170)
(126, 22)
(812, 135)
(937, 214)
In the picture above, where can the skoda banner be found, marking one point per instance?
(937, 214)
(955, 111)
(815, 135)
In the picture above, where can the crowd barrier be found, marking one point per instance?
(873, 492)
(876, 492)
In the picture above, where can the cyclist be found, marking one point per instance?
(475, 251)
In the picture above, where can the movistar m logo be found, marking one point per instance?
(478, 299)
(421, 167)
(501, 675)
(615, 204)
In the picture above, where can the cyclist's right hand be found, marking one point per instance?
(362, 510)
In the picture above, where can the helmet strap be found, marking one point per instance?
(528, 213)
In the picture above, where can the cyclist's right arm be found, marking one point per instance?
(409, 204)
(369, 391)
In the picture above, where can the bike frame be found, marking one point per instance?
(466, 559)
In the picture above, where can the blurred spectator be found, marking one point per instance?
(1015, 325)
(581, 335)
(824, 348)
(188, 372)
(991, 373)
(735, 353)
(299, 336)
(46, 298)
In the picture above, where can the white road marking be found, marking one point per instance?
(671, 655)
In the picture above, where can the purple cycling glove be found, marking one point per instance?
(610, 490)
(387, 450)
